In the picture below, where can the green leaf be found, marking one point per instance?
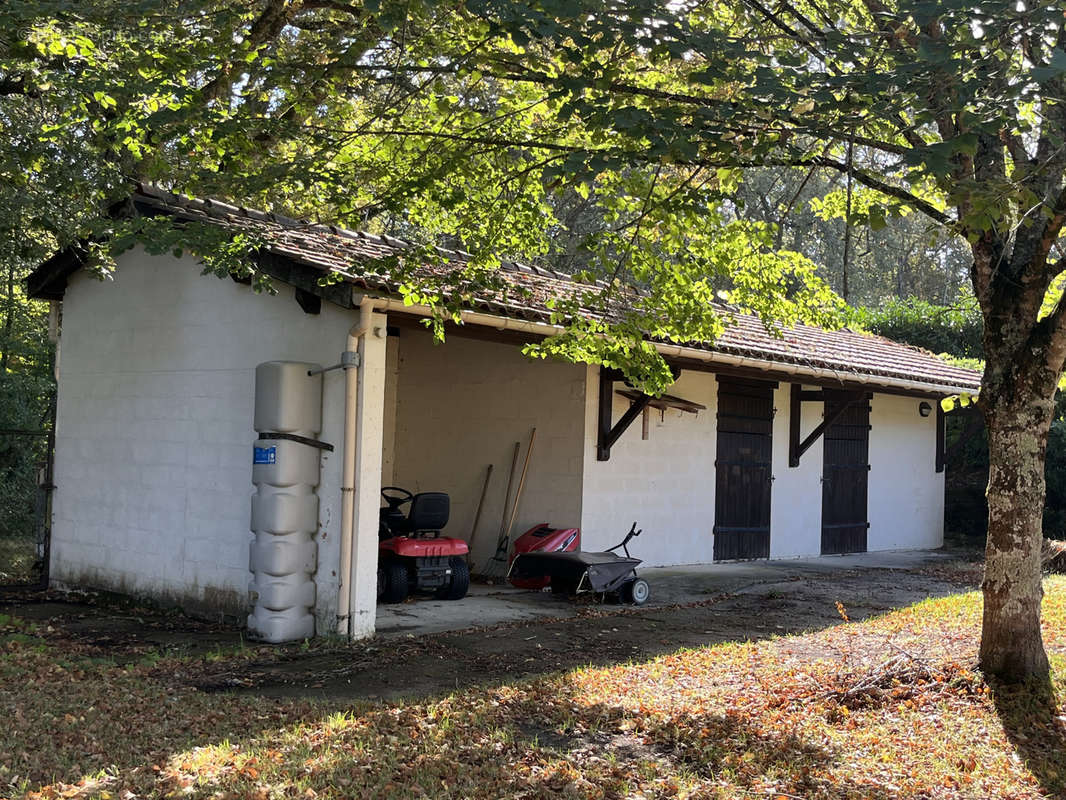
(1055, 68)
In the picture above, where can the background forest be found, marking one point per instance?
(27, 392)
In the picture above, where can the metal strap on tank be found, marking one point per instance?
(292, 437)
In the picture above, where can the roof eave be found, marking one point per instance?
(708, 356)
(49, 280)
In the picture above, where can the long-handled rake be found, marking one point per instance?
(498, 564)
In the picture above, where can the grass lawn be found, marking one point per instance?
(887, 708)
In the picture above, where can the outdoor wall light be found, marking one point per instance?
(924, 409)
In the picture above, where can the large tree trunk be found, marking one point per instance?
(1024, 356)
(1012, 646)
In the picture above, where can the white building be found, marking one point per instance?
(154, 432)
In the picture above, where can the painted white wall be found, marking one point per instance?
(796, 504)
(462, 405)
(154, 431)
(664, 484)
(906, 494)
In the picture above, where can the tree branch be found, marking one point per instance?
(893, 28)
(1016, 149)
(885, 188)
(1052, 331)
(917, 203)
(795, 35)
(512, 73)
(11, 86)
(1055, 224)
(270, 22)
(332, 5)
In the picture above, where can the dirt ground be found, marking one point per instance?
(388, 667)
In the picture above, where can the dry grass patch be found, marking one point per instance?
(888, 708)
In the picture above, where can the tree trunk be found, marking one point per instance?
(1012, 646)
(9, 319)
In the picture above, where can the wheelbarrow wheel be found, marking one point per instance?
(561, 586)
(396, 582)
(637, 592)
(460, 582)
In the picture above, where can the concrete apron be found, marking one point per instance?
(501, 604)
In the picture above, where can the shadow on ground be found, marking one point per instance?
(559, 748)
(392, 667)
(1035, 723)
(178, 664)
(388, 667)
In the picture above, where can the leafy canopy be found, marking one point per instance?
(478, 124)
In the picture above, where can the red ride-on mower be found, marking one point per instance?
(412, 555)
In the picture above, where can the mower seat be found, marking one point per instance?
(429, 512)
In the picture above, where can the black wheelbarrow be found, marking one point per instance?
(577, 572)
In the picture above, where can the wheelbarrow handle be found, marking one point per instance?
(633, 532)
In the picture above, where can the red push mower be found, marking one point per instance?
(412, 555)
(543, 538)
(575, 572)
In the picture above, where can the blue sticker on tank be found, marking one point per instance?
(265, 455)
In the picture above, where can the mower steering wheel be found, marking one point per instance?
(395, 497)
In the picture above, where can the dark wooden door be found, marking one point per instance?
(743, 469)
(845, 473)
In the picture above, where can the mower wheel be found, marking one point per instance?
(460, 583)
(396, 582)
(637, 592)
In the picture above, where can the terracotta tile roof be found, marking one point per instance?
(352, 254)
(846, 351)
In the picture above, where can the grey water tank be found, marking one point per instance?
(287, 399)
(285, 472)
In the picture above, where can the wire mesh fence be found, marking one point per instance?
(25, 485)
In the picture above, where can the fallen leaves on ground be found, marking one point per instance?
(887, 708)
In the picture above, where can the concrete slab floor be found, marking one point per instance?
(501, 604)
